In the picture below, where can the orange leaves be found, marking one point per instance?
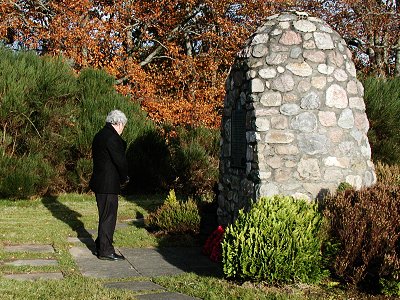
(171, 55)
(182, 112)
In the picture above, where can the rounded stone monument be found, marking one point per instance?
(294, 120)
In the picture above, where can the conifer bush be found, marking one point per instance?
(278, 240)
(194, 158)
(23, 177)
(49, 113)
(383, 109)
(36, 103)
(175, 216)
(97, 98)
(149, 163)
(365, 224)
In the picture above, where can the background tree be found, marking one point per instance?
(371, 29)
(173, 56)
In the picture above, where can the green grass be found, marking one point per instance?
(52, 220)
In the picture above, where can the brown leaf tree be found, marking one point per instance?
(173, 56)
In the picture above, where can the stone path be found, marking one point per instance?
(144, 262)
(32, 262)
(139, 263)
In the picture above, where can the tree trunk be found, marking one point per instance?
(379, 55)
(397, 59)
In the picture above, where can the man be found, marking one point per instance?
(110, 172)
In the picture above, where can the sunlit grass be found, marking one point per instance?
(51, 221)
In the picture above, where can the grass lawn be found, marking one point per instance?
(50, 221)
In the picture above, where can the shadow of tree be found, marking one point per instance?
(71, 218)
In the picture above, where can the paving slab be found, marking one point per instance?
(135, 286)
(171, 261)
(148, 262)
(32, 262)
(84, 240)
(35, 276)
(92, 231)
(165, 296)
(29, 248)
(89, 265)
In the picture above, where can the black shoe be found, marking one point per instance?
(113, 256)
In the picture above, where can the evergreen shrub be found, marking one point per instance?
(23, 177)
(97, 98)
(382, 100)
(390, 287)
(365, 224)
(175, 216)
(388, 174)
(194, 157)
(49, 111)
(36, 102)
(149, 163)
(278, 240)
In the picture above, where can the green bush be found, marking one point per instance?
(149, 163)
(97, 98)
(175, 216)
(194, 159)
(343, 186)
(23, 177)
(382, 100)
(38, 95)
(388, 174)
(390, 287)
(365, 224)
(48, 110)
(34, 91)
(277, 240)
(184, 159)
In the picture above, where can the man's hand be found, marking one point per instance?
(123, 186)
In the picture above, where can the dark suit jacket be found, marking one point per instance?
(110, 167)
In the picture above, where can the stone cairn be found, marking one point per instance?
(294, 120)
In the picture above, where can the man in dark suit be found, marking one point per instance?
(110, 172)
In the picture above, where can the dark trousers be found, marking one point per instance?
(107, 205)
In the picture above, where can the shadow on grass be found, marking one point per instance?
(71, 218)
(181, 250)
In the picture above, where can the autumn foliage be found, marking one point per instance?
(173, 56)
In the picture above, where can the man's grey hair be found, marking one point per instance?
(116, 117)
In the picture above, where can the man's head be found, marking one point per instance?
(117, 119)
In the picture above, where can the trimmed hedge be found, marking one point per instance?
(277, 241)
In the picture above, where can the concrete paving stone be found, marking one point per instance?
(34, 276)
(84, 240)
(32, 262)
(29, 248)
(165, 296)
(121, 225)
(171, 260)
(91, 266)
(161, 271)
(139, 221)
(135, 286)
(149, 262)
(92, 231)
